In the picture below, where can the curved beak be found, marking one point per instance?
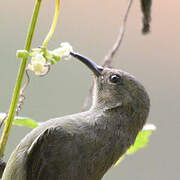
(89, 63)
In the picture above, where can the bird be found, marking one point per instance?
(85, 145)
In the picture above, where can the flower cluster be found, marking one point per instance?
(41, 57)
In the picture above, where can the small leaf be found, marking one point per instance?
(140, 142)
(22, 121)
(142, 138)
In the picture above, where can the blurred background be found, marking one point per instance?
(92, 27)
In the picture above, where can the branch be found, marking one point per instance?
(107, 61)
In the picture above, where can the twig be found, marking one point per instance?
(21, 99)
(21, 94)
(108, 58)
(107, 61)
(88, 99)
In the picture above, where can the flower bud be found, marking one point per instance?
(22, 54)
(63, 51)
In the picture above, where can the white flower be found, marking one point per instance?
(37, 65)
(63, 51)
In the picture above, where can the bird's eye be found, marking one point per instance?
(115, 78)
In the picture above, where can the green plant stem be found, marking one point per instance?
(53, 26)
(15, 97)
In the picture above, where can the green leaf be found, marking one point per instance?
(140, 142)
(22, 121)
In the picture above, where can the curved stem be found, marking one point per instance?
(53, 26)
(108, 58)
(107, 61)
(12, 110)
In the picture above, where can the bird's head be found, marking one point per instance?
(116, 89)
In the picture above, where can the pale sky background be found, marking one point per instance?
(92, 27)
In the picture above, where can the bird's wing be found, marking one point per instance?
(45, 156)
